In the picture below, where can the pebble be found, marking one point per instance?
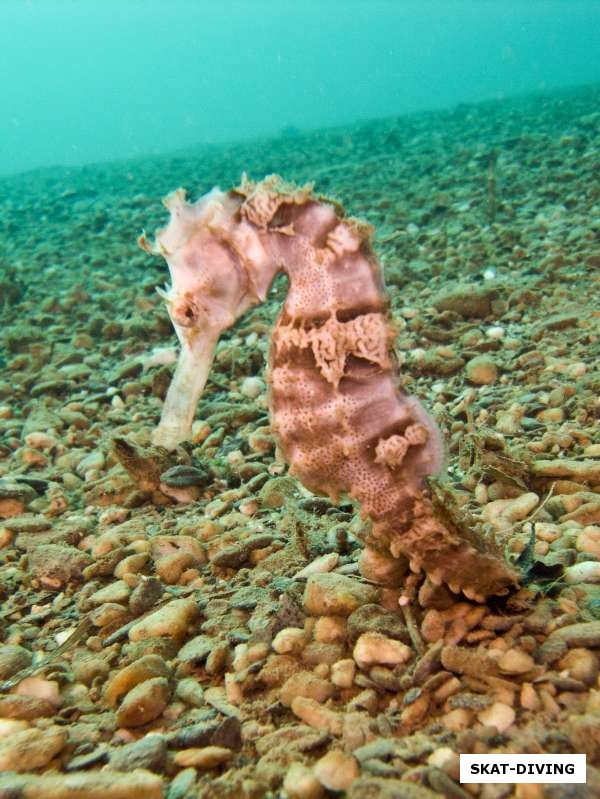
(173, 621)
(481, 370)
(91, 785)
(25, 708)
(290, 640)
(377, 648)
(498, 715)
(588, 571)
(588, 541)
(580, 664)
(125, 679)
(182, 784)
(502, 513)
(515, 661)
(330, 629)
(300, 782)
(343, 673)
(389, 788)
(94, 462)
(31, 749)
(188, 690)
(252, 387)
(57, 565)
(324, 563)
(205, 757)
(144, 703)
(336, 770)
(333, 594)
(585, 471)
(117, 592)
(462, 660)
(583, 634)
(150, 752)
(12, 659)
(305, 684)
(447, 760)
(314, 714)
(375, 618)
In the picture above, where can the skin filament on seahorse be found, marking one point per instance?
(341, 419)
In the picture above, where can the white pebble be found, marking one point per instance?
(376, 648)
(252, 387)
(290, 640)
(497, 715)
(320, 565)
(586, 572)
(495, 332)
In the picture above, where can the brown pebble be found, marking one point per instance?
(204, 757)
(144, 703)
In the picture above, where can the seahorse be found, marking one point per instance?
(340, 417)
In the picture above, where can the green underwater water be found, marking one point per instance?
(85, 81)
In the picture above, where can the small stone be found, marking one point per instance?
(515, 661)
(305, 684)
(173, 621)
(381, 568)
(196, 650)
(188, 690)
(124, 680)
(389, 788)
(447, 760)
(91, 785)
(39, 688)
(150, 752)
(330, 629)
(376, 648)
(13, 659)
(14, 498)
(92, 462)
(529, 698)
(324, 563)
(503, 513)
(182, 784)
(314, 714)
(343, 673)
(588, 541)
(583, 634)
(252, 387)
(205, 757)
(110, 613)
(332, 594)
(117, 592)
(57, 565)
(481, 370)
(336, 770)
(301, 783)
(462, 660)
(290, 640)
(376, 619)
(584, 735)
(31, 749)
(580, 664)
(458, 720)
(87, 668)
(146, 594)
(498, 715)
(588, 571)
(25, 708)
(144, 703)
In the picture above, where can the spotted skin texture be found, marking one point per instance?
(341, 418)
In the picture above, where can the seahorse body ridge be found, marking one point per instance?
(342, 421)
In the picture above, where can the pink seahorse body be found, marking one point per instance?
(341, 420)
